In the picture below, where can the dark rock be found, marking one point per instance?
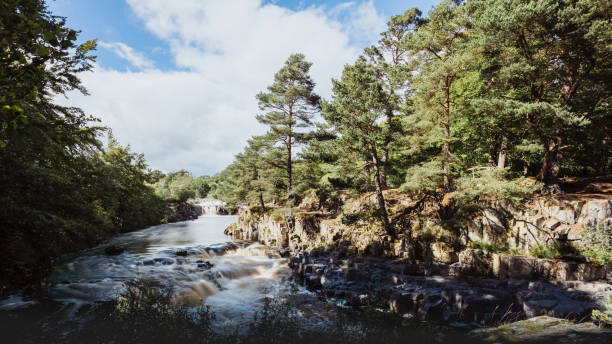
(164, 261)
(205, 265)
(114, 250)
(284, 252)
(313, 282)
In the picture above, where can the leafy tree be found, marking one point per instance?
(59, 190)
(289, 105)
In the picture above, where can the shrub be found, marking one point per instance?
(604, 318)
(554, 250)
(493, 184)
(487, 247)
(597, 243)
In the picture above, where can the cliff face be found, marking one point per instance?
(425, 237)
(434, 269)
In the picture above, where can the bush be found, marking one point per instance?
(145, 313)
(487, 247)
(554, 250)
(597, 243)
(493, 184)
(604, 318)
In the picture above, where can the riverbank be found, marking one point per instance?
(442, 265)
(34, 282)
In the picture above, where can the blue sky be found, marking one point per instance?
(176, 79)
(115, 21)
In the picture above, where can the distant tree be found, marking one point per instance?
(289, 105)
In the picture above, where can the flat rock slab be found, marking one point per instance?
(545, 329)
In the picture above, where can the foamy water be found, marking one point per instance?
(200, 262)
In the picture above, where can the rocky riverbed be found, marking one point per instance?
(430, 271)
(463, 301)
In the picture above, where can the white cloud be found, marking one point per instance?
(200, 117)
(128, 53)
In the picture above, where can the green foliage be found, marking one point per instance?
(476, 98)
(145, 313)
(554, 250)
(426, 177)
(604, 318)
(290, 104)
(596, 243)
(492, 184)
(480, 245)
(60, 191)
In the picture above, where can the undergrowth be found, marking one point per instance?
(145, 313)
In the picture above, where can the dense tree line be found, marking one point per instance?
(474, 99)
(60, 189)
(180, 186)
(493, 98)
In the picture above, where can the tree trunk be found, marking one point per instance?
(551, 166)
(289, 174)
(385, 155)
(261, 201)
(382, 209)
(501, 158)
(446, 149)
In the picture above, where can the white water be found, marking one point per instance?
(237, 283)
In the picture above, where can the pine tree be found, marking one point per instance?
(549, 59)
(436, 52)
(359, 104)
(391, 66)
(289, 106)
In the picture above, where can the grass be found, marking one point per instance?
(553, 251)
(597, 243)
(481, 245)
(513, 331)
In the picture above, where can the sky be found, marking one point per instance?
(176, 80)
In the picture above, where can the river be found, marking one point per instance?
(195, 257)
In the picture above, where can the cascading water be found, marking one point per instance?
(201, 264)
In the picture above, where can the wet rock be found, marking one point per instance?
(205, 265)
(114, 250)
(313, 282)
(401, 303)
(535, 308)
(164, 261)
(284, 252)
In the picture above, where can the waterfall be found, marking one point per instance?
(209, 206)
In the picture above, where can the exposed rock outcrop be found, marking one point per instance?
(428, 270)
